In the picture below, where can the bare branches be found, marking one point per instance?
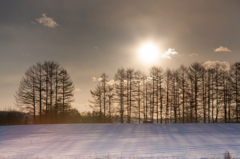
(208, 92)
(44, 89)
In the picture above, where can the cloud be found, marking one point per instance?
(224, 66)
(222, 49)
(111, 82)
(33, 22)
(167, 54)
(47, 21)
(193, 54)
(95, 47)
(78, 90)
(94, 79)
(25, 54)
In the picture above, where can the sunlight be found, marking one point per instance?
(149, 52)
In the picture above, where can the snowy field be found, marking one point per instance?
(120, 141)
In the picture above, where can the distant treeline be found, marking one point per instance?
(207, 93)
(12, 117)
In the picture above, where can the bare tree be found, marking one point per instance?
(120, 77)
(235, 75)
(26, 94)
(183, 89)
(204, 93)
(130, 89)
(42, 78)
(96, 104)
(104, 80)
(138, 81)
(66, 91)
(168, 79)
(195, 71)
(110, 96)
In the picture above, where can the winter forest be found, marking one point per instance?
(199, 93)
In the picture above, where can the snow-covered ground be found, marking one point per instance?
(119, 140)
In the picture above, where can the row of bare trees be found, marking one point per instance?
(46, 92)
(208, 92)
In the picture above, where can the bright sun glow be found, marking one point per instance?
(149, 52)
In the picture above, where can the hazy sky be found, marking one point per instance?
(90, 37)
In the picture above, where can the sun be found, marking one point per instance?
(148, 52)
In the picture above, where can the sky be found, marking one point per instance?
(89, 37)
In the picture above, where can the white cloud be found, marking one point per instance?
(25, 54)
(193, 54)
(217, 64)
(94, 79)
(78, 90)
(33, 22)
(222, 49)
(47, 21)
(168, 53)
(111, 82)
(95, 47)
